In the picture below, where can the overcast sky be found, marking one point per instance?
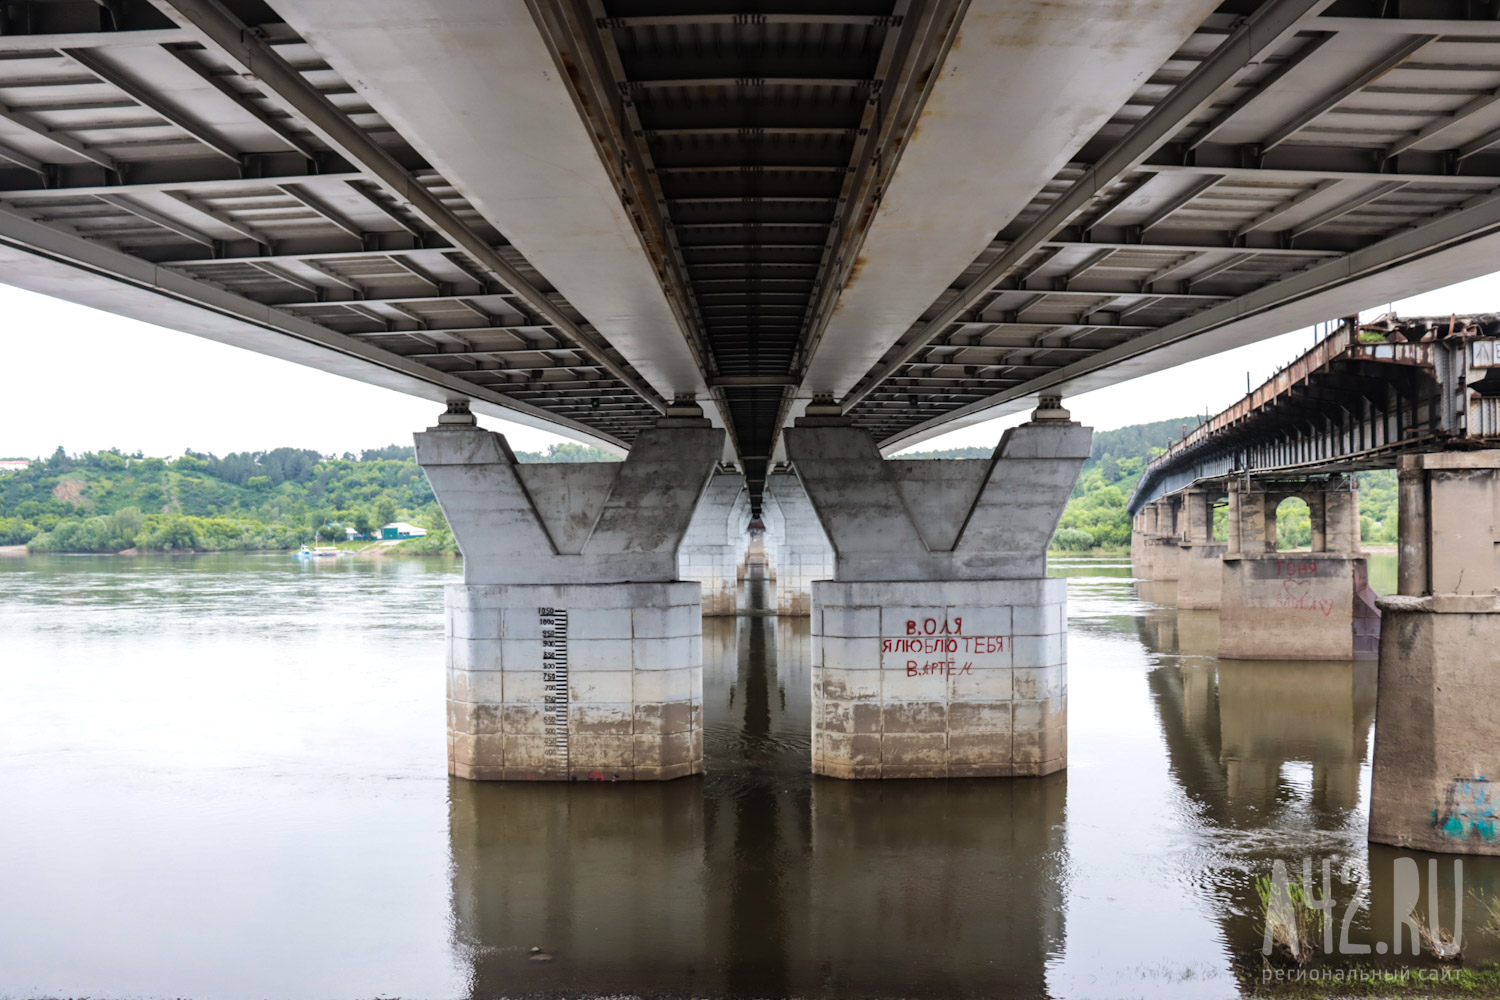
(88, 380)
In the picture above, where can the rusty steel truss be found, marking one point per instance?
(1359, 398)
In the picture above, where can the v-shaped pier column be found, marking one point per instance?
(574, 651)
(940, 645)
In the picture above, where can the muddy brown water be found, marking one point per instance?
(223, 777)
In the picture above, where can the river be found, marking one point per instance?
(223, 776)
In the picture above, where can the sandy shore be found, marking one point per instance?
(13, 551)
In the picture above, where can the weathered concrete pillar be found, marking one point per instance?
(1341, 518)
(1199, 561)
(714, 545)
(940, 642)
(1140, 558)
(1154, 540)
(1437, 752)
(573, 649)
(1165, 544)
(803, 554)
(1317, 517)
(1247, 520)
(1296, 605)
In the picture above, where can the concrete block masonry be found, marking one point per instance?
(600, 682)
(940, 680)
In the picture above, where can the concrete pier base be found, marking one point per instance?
(1155, 537)
(957, 679)
(939, 646)
(1288, 606)
(1165, 557)
(1298, 604)
(600, 682)
(1437, 752)
(1436, 779)
(1200, 576)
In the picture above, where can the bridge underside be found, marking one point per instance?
(928, 212)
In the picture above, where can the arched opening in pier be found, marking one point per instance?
(1293, 527)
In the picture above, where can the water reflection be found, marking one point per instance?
(1275, 758)
(1249, 739)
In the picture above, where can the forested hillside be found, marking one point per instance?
(277, 499)
(286, 497)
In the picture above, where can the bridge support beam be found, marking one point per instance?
(801, 551)
(715, 544)
(940, 643)
(1437, 755)
(574, 651)
(1296, 605)
(1200, 568)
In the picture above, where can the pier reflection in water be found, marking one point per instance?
(211, 796)
(1275, 758)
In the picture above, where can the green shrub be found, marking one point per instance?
(1072, 540)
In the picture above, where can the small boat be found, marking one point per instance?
(304, 554)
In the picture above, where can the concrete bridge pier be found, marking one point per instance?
(1297, 605)
(939, 646)
(802, 552)
(1141, 528)
(717, 537)
(574, 651)
(1437, 753)
(1155, 538)
(1200, 559)
(1166, 544)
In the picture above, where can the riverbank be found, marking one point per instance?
(12, 551)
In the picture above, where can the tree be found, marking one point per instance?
(124, 524)
(172, 532)
(363, 522)
(385, 511)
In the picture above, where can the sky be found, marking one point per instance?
(89, 381)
